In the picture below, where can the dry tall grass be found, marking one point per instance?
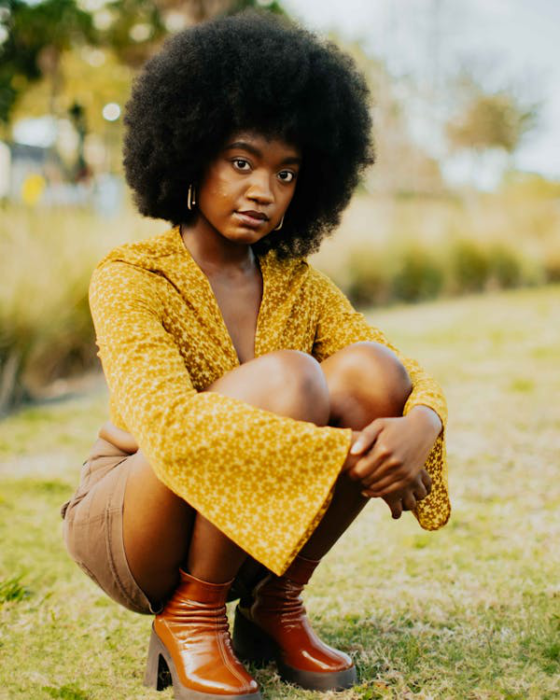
(386, 249)
(46, 260)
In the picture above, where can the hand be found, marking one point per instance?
(407, 498)
(392, 451)
(120, 438)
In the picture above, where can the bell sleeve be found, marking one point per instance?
(264, 480)
(339, 325)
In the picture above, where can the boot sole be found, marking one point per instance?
(250, 643)
(161, 673)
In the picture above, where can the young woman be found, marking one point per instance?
(253, 411)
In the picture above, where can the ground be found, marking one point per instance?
(471, 612)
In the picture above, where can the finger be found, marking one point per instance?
(369, 494)
(367, 438)
(396, 509)
(379, 458)
(383, 462)
(377, 473)
(427, 481)
(365, 467)
(398, 472)
(420, 491)
(409, 502)
(389, 490)
(394, 477)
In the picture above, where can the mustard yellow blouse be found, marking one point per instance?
(263, 479)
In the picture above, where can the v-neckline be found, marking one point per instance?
(213, 301)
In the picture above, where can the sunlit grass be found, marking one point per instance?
(471, 612)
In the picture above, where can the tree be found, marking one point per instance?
(35, 38)
(490, 124)
(489, 121)
(496, 120)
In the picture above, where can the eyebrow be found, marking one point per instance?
(256, 152)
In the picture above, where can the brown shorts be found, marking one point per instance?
(93, 525)
(93, 530)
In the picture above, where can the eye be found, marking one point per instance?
(287, 175)
(241, 164)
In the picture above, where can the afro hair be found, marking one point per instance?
(250, 71)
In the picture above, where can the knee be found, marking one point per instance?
(298, 385)
(287, 382)
(373, 376)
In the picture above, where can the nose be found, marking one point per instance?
(259, 189)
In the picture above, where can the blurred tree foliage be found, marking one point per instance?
(34, 36)
(490, 120)
(200, 10)
(131, 28)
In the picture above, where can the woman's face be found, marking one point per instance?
(247, 188)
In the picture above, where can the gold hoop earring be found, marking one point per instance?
(279, 225)
(191, 198)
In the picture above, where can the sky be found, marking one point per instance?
(509, 43)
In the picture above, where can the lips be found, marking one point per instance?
(255, 214)
(252, 218)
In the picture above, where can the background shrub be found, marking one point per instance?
(369, 274)
(469, 266)
(419, 275)
(387, 250)
(505, 267)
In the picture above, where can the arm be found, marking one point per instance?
(238, 465)
(339, 325)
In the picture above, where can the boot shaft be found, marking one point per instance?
(200, 604)
(280, 596)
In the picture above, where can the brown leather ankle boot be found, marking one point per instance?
(274, 626)
(190, 646)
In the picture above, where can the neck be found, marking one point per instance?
(212, 252)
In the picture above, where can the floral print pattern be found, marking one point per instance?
(265, 480)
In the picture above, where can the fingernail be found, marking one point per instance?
(357, 447)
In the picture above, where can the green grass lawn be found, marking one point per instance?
(470, 612)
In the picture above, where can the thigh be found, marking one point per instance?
(157, 528)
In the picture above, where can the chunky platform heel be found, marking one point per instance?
(161, 673)
(158, 676)
(190, 647)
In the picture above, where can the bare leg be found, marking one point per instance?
(366, 381)
(209, 545)
(157, 526)
(161, 532)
